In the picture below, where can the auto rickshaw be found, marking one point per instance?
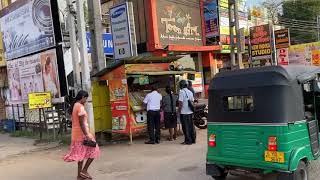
(264, 120)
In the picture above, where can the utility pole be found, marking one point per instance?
(238, 34)
(95, 25)
(231, 27)
(73, 46)
(86, 85)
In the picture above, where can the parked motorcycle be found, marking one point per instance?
(200, 116)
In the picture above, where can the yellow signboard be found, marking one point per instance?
(316, 57)
(40, 100)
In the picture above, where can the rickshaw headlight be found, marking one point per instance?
(212, 140)
(272, 145)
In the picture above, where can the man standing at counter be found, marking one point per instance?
(185, 100)
(153, 102)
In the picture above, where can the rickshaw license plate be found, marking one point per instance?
(274, 156)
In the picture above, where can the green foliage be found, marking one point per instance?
(303, 30)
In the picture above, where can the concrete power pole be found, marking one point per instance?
(231, 26)
(73, 46)
(85, 63)
(237, 27)
(95, 24)
(318, 23)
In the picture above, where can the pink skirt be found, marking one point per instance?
(79, 152)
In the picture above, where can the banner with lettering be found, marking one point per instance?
(260, 38)
(179, 24)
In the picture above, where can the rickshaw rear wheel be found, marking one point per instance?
(222, 177)
(302, 172)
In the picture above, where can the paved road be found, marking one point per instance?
(167, 161)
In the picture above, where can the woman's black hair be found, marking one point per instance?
(81, 94)
(168, 90)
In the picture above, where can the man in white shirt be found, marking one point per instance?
(153, 102)
(186, 113)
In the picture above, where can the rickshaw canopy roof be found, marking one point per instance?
(276, 92)
(264, 76)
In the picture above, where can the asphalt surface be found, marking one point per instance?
(167, 161)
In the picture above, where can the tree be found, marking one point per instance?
(301, 17)
(274, 8)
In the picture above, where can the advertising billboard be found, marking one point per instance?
(260, 38)
(106, 40)
(305, 54)
(123, 31)
(211, 18)
(179, 23)
(282, 38)
(27, 27)
(36, 73)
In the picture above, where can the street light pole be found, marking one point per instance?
(237, 29)
(86, 85)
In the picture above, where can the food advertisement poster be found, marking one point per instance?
(36, 73)
(27, 27)
(303, 53)
(210, 9)
(316, 57)
(119, 100)
(179, 24)
(283, 56)
(260, 38)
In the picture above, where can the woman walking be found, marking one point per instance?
(83, 144)
(169, 104)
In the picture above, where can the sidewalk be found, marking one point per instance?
(12, 146)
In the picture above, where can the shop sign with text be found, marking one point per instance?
(282, 38)
(210, 10)
(179, 24)
(260, 39)
(123, 31)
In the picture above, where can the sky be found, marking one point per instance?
(251, 3)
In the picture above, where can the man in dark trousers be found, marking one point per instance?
(153, 102)
(186, 113)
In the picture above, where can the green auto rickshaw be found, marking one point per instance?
(264, 120)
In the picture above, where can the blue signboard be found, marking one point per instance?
(106, 41)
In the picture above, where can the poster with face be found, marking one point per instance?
(14, 80)
(49, 73)
(30, 75)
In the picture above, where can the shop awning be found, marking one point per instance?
(159, 73)
(185, 48)
(141, 59)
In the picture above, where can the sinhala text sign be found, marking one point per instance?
(260, 39)
(179, 23)
(40, 100)
(27, 27)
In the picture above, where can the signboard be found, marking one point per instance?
(260, 38)
(40, 100)
(2, 60)
(302, 53)
(283, 56)
(197, 83)
(178, 23)
(27, 27)
(316, 57)
(282, 38)
(123, 31)
(224, 16)
(210, 9)
(107, 43)
(36, 73)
